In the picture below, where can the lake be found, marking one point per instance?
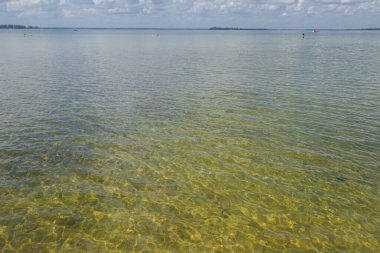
(189, 141)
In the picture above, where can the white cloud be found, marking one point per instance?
(198, 6)
(189, 8)
(21, 5)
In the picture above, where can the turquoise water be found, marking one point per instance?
(193, 141)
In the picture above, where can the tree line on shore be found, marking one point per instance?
(12, 26)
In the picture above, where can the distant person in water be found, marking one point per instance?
(303, 36)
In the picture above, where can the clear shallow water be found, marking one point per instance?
(193, 141)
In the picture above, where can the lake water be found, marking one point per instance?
(191, 141)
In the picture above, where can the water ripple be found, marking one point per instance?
(114, 141)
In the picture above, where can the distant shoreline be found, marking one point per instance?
(21, 27)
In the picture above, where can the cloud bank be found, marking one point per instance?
(190, 9)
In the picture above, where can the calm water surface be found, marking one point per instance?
(193, 141)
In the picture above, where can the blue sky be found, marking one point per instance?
(193, 13)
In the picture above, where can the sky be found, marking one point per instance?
(296, 14)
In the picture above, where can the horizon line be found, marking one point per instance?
(213, 28)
